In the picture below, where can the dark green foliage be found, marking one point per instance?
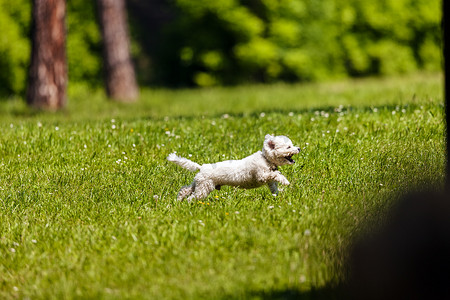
(230, 41)
(83, 42)
(204, 43)
(14, 45)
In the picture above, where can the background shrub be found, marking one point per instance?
(230, 41)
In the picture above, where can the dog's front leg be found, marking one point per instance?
(280, 178)
(273, 186)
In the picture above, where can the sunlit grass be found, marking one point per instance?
(88, 201)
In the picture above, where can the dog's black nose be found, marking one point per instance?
(299, 149)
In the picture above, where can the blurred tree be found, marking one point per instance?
(47, 80)
(120, 76)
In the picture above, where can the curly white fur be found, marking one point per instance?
(251, 172)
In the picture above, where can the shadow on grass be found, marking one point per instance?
(405, 257)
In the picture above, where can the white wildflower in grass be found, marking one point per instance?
(307, 232)
(113, 126)
(15, 288)
(85, 146)
(134, 146)
(113, 121)
(11, 125)
(271, 207)
(313, 119)
(167, 132)
(339, 108)
(56, 128)
(236, 212)
(12, 250)
(39, 124)
(225, 116)
(291, 114)
(393, 112)
(262, 115)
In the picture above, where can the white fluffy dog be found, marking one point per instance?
(251, 172)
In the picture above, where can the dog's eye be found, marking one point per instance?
(289, 147)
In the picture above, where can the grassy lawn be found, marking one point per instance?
(88, 200)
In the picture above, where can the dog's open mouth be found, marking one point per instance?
(289, 159)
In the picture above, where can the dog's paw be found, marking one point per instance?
(284, 181)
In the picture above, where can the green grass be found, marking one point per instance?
(88, 201)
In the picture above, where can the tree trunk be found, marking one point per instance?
(47, 81)
(119, 72)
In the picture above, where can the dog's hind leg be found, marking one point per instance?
(186, 191)
(203, 189)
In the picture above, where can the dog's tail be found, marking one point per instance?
(183, 162)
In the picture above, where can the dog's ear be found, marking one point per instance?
(269, 141)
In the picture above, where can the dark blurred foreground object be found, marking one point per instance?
(119, 72)
(409, 257)
(47, 78)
